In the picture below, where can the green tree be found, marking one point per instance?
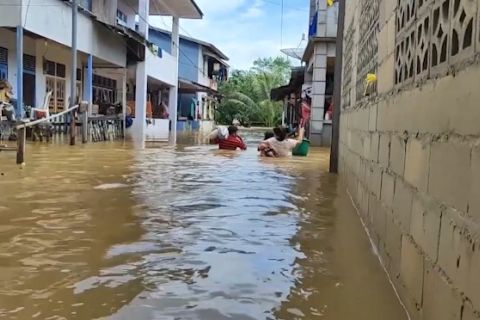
(246, 95)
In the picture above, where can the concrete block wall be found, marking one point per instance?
(318, 92)
(410, 159)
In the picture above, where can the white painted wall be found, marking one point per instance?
(139, 124)
(158, 130)
(129, 11)
(162, 69)
(331, 50)
(10, 13)
(107, 45)
(143, 17)
(93, 38)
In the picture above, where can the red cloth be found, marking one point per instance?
(232, 143)
(306, 111)
(330, 110)
(40, 114)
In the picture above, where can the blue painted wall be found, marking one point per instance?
(162, 40)
(189, 52)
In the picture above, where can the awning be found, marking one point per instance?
(185, 9)
(295, 53)
(187, 86)
(309, 50)
(296, 81)
(217, 57)
(135, 42)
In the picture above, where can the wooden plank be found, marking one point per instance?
(7, 148)
(32, 123)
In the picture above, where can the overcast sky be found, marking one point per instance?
(247, 29)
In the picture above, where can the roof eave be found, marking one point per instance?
(311, 44)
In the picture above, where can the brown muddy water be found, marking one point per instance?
(106, 231)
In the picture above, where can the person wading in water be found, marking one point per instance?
(280, 144)
(232, 142)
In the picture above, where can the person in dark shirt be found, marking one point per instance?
(233, 141)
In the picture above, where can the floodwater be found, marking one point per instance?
(104, 231)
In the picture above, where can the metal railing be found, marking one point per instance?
(22, 129)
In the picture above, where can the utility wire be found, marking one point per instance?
(281, 4)
(26, 13)
(183, 53)
(281, 27)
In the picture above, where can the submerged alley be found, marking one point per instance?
(164, 234)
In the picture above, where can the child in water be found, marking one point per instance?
(268, 152)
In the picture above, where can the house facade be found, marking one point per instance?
(116, 63)
(319, 58)
(201, 67)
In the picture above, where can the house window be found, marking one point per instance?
(29, 63)
(104, 89)
(29, 68)
(55, 82)
(3, 63)
(85, 4)
(121, 17)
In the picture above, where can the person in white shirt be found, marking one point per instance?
(280, 144)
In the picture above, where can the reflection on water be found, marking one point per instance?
(186, 232)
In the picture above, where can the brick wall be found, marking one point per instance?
(410, 151)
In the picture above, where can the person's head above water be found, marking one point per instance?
(268, 135)
(232, 130)
(280, 133)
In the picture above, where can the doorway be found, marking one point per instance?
(29, 80)
(29, 89)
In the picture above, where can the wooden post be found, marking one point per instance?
(19, 109)
(88, 97)
(84, 107)
(124, 102)
(21, 137)
(337, 94)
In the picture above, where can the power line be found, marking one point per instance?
(26, 13)
(281, 28)
(281, 4)
(182, 52)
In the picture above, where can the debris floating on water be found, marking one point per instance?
(108, 186)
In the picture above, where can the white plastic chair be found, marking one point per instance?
(45, 108)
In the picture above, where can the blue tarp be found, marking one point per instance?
(312, 30)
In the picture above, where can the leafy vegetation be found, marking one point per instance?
(246, 95)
